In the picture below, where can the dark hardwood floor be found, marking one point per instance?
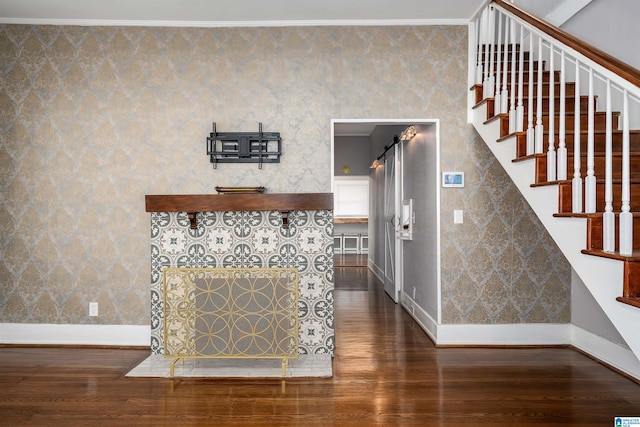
(386, 373)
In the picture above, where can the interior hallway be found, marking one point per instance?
(386, 373)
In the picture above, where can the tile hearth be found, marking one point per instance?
(307, 365)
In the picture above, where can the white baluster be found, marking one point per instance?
(576, 182)
(491, 81)
(608, 219)
(504, 96)
(626, 217)
(562, 144)
(485, 30)
(590, 179)
(512, 105)
(520, 108)
(496, 97)
(551, 152)
(539, 130)
(480, 52)
(531, 136)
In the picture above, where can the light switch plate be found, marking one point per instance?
(458, 216)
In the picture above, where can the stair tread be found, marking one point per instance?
(599, 181)
(570, 133)
(634, 301)
(635, 257)
(590, 215)
(572, 113)
(571, 155)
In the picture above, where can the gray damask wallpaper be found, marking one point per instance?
(94, 118)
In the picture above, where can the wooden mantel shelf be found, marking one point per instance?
(283, 202)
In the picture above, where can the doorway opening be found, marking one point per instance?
(355, 146)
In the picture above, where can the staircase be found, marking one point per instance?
(612, 275)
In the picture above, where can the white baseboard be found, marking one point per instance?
(422, 318)
(505, 334)
(610, 353)
(471, 334)
(377, 271)
(607, 352)
(109, 335)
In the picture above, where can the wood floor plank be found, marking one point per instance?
(386, 373)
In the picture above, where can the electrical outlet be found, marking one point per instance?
(93, 309)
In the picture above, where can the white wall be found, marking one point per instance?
(420, 254)
(351, 151)
(609, 25)
(587, 314)
(539, 8)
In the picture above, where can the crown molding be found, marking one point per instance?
(232, 24)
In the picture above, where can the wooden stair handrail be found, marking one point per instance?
(607, 61)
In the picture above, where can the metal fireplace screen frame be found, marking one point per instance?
(230, 313)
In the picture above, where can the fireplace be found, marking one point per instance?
(256, 231)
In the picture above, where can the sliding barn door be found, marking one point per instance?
(392, 199)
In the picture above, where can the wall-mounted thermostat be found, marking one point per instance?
(453, 179)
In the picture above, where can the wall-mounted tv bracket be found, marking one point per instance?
(244, 147)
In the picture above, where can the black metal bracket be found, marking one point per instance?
(193, 220)
(244, 147)
(285, 219)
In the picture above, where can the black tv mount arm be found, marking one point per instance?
(244, 147)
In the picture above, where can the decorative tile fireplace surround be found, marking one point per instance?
(249, 231)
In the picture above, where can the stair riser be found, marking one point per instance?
(486, 48)
(509, 53)
(569, 106)
(525, 66)
(631, 287)
(599, 119)
(595, 238)
(546, 77)
(569, 90)
(599, 166)
(599, 140)
(564, 197)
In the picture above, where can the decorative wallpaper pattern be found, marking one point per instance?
(247, 239)
(94, 118)
(500, 265)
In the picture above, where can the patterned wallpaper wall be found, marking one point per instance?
(252, 240)
(500, 265)
(94, 118)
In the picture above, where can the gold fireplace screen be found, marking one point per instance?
(230, 313)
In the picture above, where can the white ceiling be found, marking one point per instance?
(237, 12)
